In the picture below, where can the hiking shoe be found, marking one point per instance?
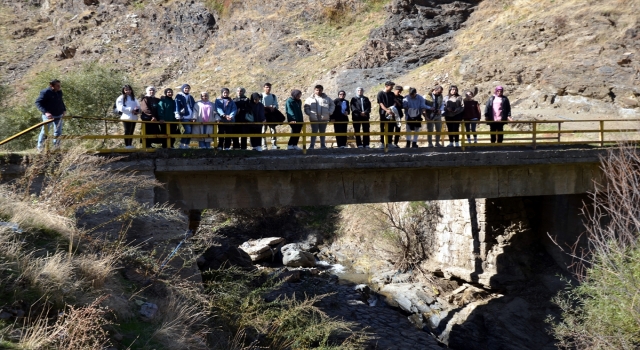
(414, 145)
(258, 148)
(297, 148)
(360, 146)
(290, 148)
(450, 144)
(408, 144)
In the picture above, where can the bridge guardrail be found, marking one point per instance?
(532, 133)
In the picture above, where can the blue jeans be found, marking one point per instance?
(317, 129)
(187, 131)
(57, 131)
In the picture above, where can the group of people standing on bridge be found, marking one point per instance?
(259, 114)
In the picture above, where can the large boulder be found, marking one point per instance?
(293, 256)
(224, 256)
(263, 248)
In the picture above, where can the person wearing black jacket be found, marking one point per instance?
(341, 116)
(51, 105)
(385, 100)
(497, 112)
(244, 106)
(149, 113)
(360, 113)
(398, 98)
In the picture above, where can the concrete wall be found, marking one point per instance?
(497, 241)
(239, 189)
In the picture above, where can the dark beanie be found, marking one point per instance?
(256, 95)
(295, 92)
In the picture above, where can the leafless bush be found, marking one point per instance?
(614, 219)
(602, 312)
(409, 227)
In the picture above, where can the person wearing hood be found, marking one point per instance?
(319, 107)
(149, 113)
(414, 107)
(340, 117)
(129, 109)
(360, 114)
(166, 108)
(184, 112)
(295, 118)
(243, 103)
(205, 112)
(497, 112)
(452, 109)
(226, 109)
(257, 114)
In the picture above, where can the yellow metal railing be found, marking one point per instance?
(532, 133)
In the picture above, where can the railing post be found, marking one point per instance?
(46, 137)
(143, 134)
(535, 132)
(168, 132)
(304, 137)
(215, 136)
(463, 132)
(602, 133)
(559, 129)
(384, 135)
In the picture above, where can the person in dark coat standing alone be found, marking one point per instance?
(360, 114)
(340, 117)
(51, 105)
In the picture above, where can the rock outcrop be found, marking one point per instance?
(416, 32)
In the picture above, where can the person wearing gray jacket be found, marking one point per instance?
(319, 107)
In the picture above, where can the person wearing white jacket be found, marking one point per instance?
(129, 109)
(319, 107)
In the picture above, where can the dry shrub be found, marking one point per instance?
(74, 181)
(79, 328)
(602, 312)
(410, 229)
(53, 275)
(96, 268)
(32, 214)
(181, 315)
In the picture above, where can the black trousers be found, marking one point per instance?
(251, 129)
(174, 129)
(391, 126)
(496, 127)
(162, 129)
(454, 127)
(295, 129)
(362, 140)
(237, 129)
(150, 129)
(129, 128)
(341, 127)
(225, 128)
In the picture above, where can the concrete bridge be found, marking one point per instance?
(201, 179)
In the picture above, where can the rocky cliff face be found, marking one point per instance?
(415, 33)
(158, 41)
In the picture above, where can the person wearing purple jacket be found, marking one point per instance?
(51, 105)
(227, 110)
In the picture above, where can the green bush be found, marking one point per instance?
(603, 312)
(90, 90)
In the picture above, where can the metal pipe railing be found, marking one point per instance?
(539, 134)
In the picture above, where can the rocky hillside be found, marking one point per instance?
(568, 57)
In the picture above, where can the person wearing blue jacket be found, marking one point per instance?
(227, 110)
(414, 107)
(184, 112)
(51, 105)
